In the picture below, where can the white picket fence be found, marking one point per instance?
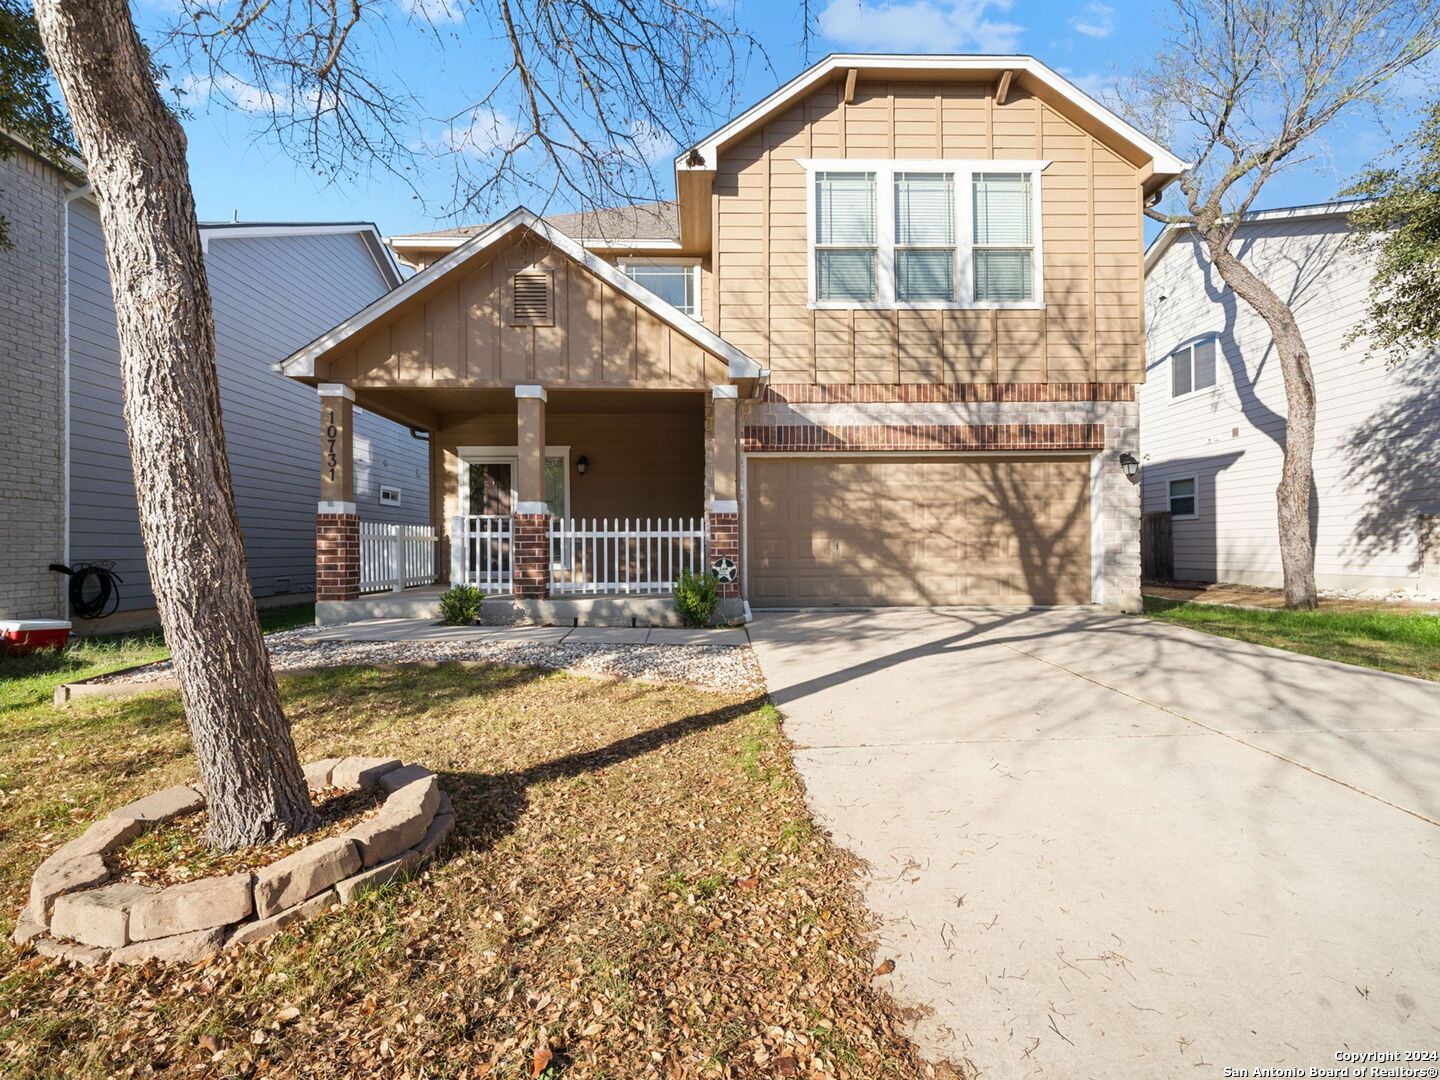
(395, 557)
(624, 556)
(482, 552)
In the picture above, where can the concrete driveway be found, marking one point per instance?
(1101, 846)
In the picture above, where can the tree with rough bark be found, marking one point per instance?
(584, 94)
(28, 110)
(1244, 89)
(1399, 227)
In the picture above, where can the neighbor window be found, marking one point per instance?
(846, 241)
(1004, 237)
(1192, 367)
(677, 282)
(924, 234)
(1183, 502)
(390, 495)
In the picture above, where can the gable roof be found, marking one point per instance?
(301, 364)
(1312, 211)
(708, 148)
(366, 230)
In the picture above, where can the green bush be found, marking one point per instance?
(695, 598)
(460, 606)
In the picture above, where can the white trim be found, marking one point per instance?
(964, 171)
(724, 506)
(1168, 235)
(330, 389)
(730, 390)
(453, 240)
(1166, 163)
(1188, 345)
(328, 506)
(85, 191)
(301, 363)
(1097, 528)
(671, 260)
(1194, 479)
(528, 507)
(530, 390)
(220, 230)
(846, 455)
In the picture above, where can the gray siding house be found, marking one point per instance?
(275, 288)
(1212, 415)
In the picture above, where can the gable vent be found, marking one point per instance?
(532, 298)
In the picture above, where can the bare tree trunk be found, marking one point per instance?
(1292, 495)
(135, 153)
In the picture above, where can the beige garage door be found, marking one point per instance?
(857, 531)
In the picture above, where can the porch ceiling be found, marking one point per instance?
(427, 406)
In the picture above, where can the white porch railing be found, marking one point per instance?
(605, 556)
(395, 557)
(481, 553)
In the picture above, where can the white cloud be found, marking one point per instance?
(243, 96)
(435, 11)
(481, 133)
(1103, 87)
(653, 143)
(1095, 20)
(920, 25)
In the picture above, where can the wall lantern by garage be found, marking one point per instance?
(1131, 466)
(581, 464)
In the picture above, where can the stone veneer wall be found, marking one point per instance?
(32, 408)
(953, 420)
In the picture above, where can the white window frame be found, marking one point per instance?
(665, 260)
(1170, 499)
(384, 488)
(964, 172)
(1189, 347)
(504, 455)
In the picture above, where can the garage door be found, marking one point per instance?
(857, 531)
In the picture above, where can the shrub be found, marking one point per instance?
(460, 606)
(695, 598)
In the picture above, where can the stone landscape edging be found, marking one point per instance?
(75, 912)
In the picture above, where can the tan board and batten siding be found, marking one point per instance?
(458, 332)
(862, 532)
(1091, 326)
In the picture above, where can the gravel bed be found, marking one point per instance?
(728, 668)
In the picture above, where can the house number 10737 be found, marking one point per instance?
(332, 434)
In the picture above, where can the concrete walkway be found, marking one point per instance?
(429, 630)
(1107, 847)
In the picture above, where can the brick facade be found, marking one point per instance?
(531, 547)
(724, 542)
(847, 393)
(32, 408)
(337, 557)
(923, 437)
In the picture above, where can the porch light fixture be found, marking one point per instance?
(1131, 466)
(581, 464)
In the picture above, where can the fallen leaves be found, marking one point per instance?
(635, 889)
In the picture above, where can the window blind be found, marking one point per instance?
(1204, 374)
(845, 215)
(1002, 208)
(924, 236)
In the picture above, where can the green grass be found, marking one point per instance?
(1405, 642)
(31, 680)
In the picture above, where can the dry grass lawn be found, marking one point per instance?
(635, 889)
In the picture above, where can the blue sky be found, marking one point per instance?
(236, 170)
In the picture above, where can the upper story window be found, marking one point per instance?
(924, 234)
(676, 281)
(1192, 367)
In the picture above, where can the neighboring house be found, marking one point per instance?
(883, 346)
(68, 489)
(1213, 414)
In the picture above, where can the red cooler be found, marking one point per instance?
(20, 636)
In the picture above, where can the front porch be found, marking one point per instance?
(566, 507)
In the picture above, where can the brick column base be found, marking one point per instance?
(724, 538)
(337, 557)
(530, 544)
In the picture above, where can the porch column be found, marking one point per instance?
(337, 526)
(532, 517)
(722, 506)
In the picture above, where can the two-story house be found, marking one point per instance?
(881, 349)
(1214, 415)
